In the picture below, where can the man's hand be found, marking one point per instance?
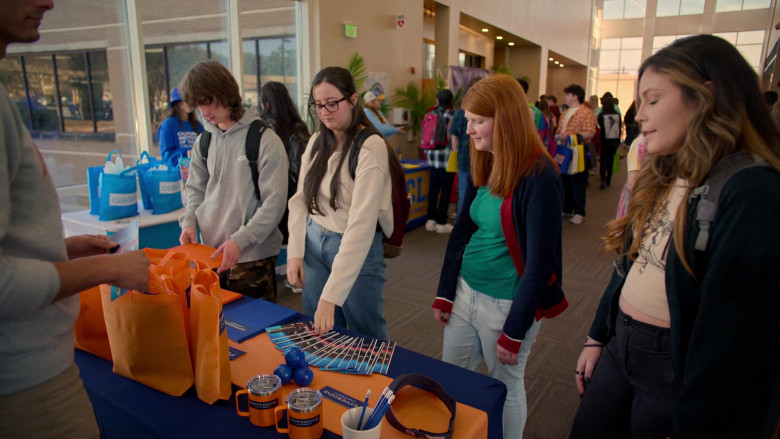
(88, 245)
(132, 270)
(188, 236)
(230, 253)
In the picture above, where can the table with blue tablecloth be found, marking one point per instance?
(127, 409)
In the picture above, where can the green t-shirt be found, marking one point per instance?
(487, 266)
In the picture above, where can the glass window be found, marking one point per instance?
(660, 42)
(251, 78)
(180, 58)
(39, 71)
(668, 8)
(74, 92)
(103, 101)
(749, 44)
(219, 52)
(617, 9)
(13, 80)
(429, 60)
(740, 5)
(158, 91)
(291, 66)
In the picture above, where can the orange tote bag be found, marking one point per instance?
(209, 341)
(148, 338)
(89, 331)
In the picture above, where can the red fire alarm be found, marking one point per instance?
(412, 70)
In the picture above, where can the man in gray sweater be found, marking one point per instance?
(221, 199)
(41, 393)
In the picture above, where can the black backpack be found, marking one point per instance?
(401, 203)
(251, 148)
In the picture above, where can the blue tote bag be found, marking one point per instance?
(563, 157)
(93, 183)
(164, 189)
(144, 163)
(118, 195)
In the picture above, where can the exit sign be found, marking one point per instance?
(350, 30)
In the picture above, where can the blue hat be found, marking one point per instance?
(175, 96)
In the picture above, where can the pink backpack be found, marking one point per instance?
(433, 131)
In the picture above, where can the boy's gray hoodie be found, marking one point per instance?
(221, 201)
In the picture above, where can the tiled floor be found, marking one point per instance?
(411, 285)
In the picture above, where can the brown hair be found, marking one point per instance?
(727, 115)
(209, 81)
(516, 143)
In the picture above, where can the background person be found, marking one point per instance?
(178, 131)
(575, 120)
(221, 200)
(41, 393)
(683, 321)
(373, 104)
(441, 181)
(336, 221)
(610, 129)
(488, 311)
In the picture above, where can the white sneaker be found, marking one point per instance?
(430, 225)
(443, 228)
(294, 289)
(577, 219)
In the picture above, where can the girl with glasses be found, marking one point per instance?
(337, 217)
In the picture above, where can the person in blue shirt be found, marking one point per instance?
(179, 130)
(373, 103)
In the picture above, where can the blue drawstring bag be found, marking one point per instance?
(142, 168)
(118, 195)
(93, 183)
(163, 184)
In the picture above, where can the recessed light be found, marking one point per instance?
(556, 62)
(511, 43)
(484, 29)
(499, 37)
(550, 59)
(560, 65)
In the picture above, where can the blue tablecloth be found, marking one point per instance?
(127, 409)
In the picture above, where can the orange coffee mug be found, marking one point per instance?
(263, 397)
(304, 414)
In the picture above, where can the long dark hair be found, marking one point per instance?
(728, 115)
(173, 111)
(277, 105)
(326, 144)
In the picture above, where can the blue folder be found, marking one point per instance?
(250, 319)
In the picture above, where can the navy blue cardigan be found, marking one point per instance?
(534, 214)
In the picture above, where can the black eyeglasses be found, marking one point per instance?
(330, 106)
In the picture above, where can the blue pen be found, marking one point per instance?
(381, 414)
(363, 412)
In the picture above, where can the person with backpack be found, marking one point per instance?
(435, 142)
(234, 200)
(609, 133)
(343, 206)
(503, 265)
(278, 111)
(686, 340)
(178, 131)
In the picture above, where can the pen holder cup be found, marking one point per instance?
(349, 424)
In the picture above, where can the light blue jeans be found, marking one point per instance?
(363, 311)
(476, 323)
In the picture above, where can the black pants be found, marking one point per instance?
(633, 388)
(608, 150)
(439, 192)
(574, 196)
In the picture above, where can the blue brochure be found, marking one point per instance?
(250, 319)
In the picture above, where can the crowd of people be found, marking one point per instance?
(685, 342)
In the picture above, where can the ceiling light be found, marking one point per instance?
(560, 65)
(511, 43)
(550, 59)
(484, 29)
(499, 37)
(556, 62)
